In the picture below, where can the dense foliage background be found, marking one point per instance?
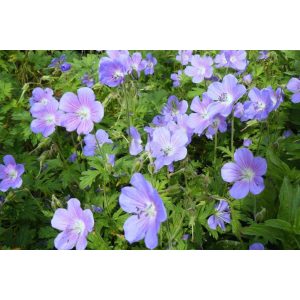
(189, 193)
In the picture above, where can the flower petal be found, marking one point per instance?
(243, 157)
(240, 189)
(61, 219)
(257, 185)
(231, 172)
(135, 228)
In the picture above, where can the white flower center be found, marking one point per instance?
(248, 174)
(150, 210)
(168, 150)
(225, 97)
(50, 119)
(118, 74)
(261, 105)
(44, 101)
(79, 226)
(84, 113)
(201, 71)
(233, 59)
(12, 174)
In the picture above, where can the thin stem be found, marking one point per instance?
(232, 134)
(215, 147)
(127, 106)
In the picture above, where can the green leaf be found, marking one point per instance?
(289, 198)
(88, 178)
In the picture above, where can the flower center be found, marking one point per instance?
(44, 101)
(168, 150)
(261, 105)
(118, 74)
(50, 119)
(248, 174)
(150, 210)
(224, 97)
(79, 226)
(150, 64)
(12, 174)
(201, 71)
(84, 113)
(233, 59)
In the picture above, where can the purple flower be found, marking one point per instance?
(174, 107)
(151, 62)
(246, 173)
(82, 111)
(218, 124)
(10, 174)
(112, 71)
(220, 60)
(182, 124)
(47, 117)
(57, 62)
(184, 56)
(185, 237)
(275, 96)
(247, 142)
(235, 59)
(111, 159)
(203, 115)
(73, 157)
(147, 209)
(263, 55)
(136, 142)
(201, 68)
(220, 217)
(137, 63)
(257, 246)
(260, 104)
(294, 87)
(65, 67)
(168, 147)
(238, 110)
(176, 77)
(41, 96)
(87, 80)
(247, 79)
(61, 63)
(117, 53)
(287, 133)
(162, 120)
(93, 142)
(75, 225)
(225, 94)
(97, 209)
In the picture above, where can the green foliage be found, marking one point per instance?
(189, 194)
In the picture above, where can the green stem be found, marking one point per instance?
(127, 106)
(232, 134)
(215, 147)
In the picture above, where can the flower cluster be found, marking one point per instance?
(114, 68)
(74, 112)
(234, 59)
(60, 62)
(168, 139)
(259, 105)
